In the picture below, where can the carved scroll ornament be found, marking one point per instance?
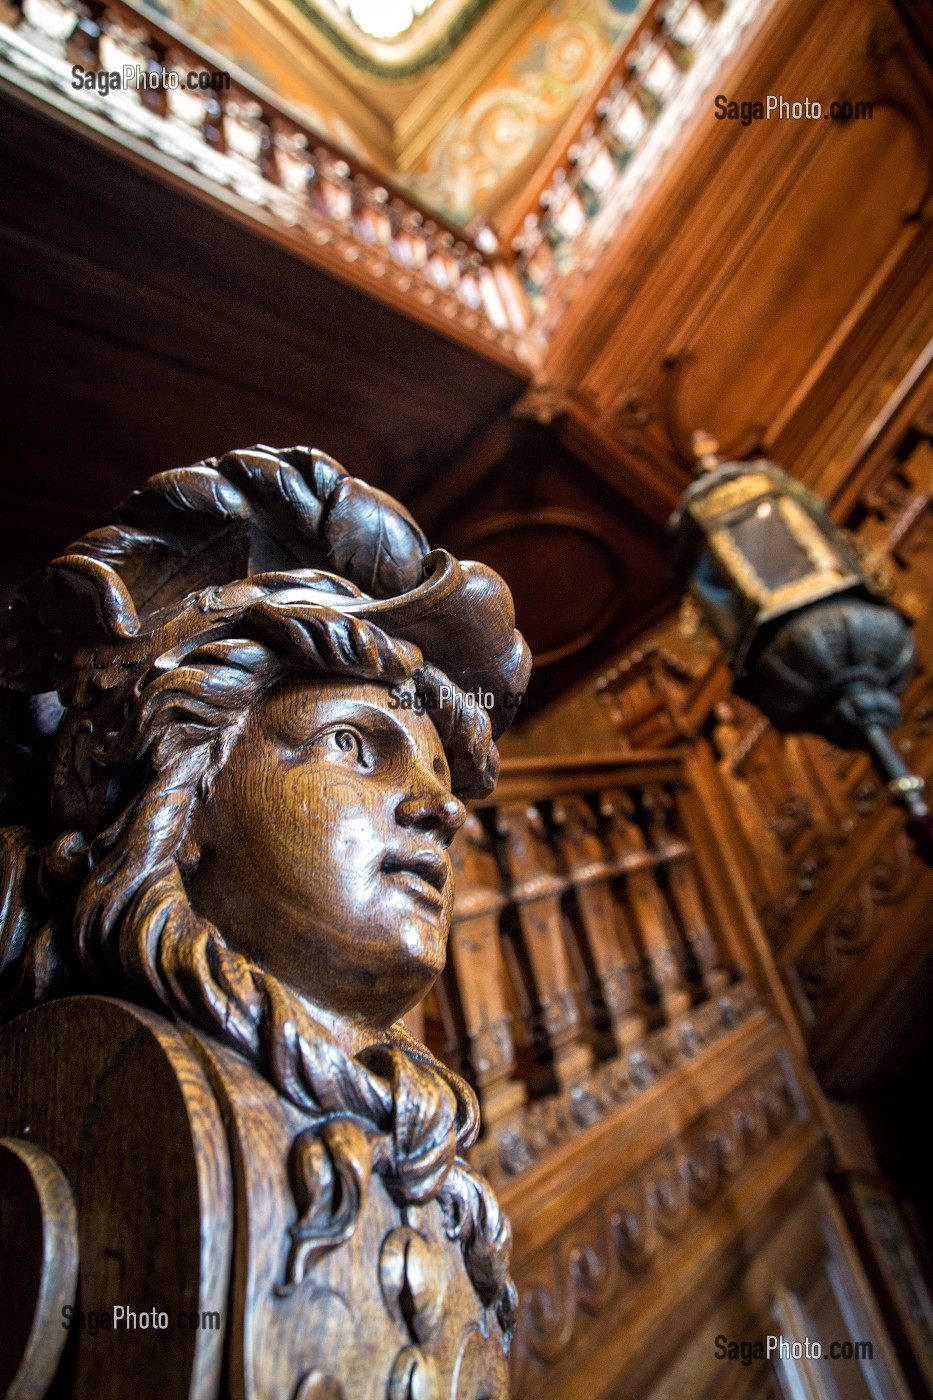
(237, 723)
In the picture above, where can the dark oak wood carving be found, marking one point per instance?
(237, 726)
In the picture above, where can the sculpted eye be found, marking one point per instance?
(339, 743)
(348, 741)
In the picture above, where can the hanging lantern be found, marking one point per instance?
(806, 630)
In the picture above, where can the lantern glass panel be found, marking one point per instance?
(718, 601)
(763, 537)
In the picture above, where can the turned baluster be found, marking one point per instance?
(536, 891)
(682, 881)
(476, 965)
(615, 963)
(658, 937)
(83, 43)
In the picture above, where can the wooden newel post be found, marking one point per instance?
(237, 726)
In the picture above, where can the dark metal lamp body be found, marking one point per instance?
(805, 631)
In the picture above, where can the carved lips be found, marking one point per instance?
(424, 873)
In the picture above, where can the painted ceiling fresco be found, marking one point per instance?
(481, 152)
(520, 105)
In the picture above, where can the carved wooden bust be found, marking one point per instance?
(237, 726)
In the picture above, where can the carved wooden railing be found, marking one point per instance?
(824, 857)
(601, 994)
(603, 159)
(240, 145)
(235, 143)
(584, 959)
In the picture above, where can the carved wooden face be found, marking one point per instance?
(322, 849)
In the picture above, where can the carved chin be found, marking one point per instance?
(424, 947)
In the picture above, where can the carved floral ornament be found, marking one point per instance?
(210, 808)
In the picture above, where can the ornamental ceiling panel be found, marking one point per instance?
(475, 161)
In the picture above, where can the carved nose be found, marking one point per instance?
(441, 812)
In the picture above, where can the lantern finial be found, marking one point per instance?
(706, 451)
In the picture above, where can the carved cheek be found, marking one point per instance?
(353, 797)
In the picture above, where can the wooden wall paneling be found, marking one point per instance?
(710, 827)
(624, 461)
(861, 463)
(681, 248)
(760, 851)
(861, 965)
(801, 279)
(885, 332)
(888, 1258)
(777, 795)
(916, 16)
(595, 1251)
(585, 566)
(816, 848)
(127, 222)
(851, 384)
(775, 275)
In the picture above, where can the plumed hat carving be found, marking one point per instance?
(265, 542)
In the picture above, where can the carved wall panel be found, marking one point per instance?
(519, 498)
(590, 1277)
(624, 1233)
(781, 307)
